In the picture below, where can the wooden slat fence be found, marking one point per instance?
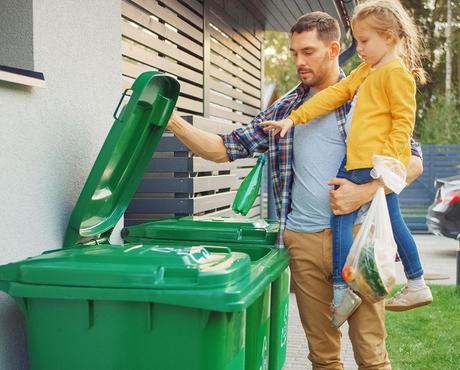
(214, 48)
(177, 183)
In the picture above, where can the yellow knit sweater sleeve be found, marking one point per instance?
(332, 97)
(400, 88)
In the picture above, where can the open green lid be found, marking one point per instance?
(124, 157)
(203, 229)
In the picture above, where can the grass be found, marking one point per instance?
(427, 338)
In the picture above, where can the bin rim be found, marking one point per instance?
(245, 283)
(205, 229)
(222, 301)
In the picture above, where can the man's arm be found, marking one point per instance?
(349, 196)
(205, 144)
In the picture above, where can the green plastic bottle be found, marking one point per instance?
(249, 189)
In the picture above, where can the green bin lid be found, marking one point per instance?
(211, 277)
(123, 157)
(132, 266)
(202, 229)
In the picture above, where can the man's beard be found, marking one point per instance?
(315, 78)
(312, 78)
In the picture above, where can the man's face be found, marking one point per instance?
(311, 56)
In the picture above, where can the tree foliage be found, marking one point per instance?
(441, 124)
(279, 65)
(430, 17)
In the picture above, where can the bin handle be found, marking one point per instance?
(242, 231)
(119, 103)
(218, 248)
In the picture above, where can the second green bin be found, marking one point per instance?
(240, 235)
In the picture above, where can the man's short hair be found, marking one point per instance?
(327, 26)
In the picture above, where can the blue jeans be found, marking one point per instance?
(342, 225)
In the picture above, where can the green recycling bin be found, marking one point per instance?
(98, 306)
(240, 235)
(135, 307)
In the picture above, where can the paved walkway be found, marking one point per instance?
(438, 256)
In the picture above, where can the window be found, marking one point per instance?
(16, 43)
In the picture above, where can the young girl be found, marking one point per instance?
(382, 115)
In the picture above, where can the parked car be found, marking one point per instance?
(443, 216)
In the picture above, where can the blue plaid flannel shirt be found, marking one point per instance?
(247, 141)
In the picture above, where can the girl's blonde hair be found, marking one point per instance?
(390, 16)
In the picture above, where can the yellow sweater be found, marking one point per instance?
(384, 115)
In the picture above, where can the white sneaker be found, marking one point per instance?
(409, 298)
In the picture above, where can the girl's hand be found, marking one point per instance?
(278, 126)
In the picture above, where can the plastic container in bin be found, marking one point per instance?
(249, 236)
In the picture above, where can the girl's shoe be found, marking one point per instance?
(409, 298)
(342, 311)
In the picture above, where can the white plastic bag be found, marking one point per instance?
(370, 265)
(391, 171)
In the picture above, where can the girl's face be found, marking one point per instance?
(372, 46)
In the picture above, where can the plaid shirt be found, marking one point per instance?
(245, 142)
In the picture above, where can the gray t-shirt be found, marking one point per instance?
(318, 151)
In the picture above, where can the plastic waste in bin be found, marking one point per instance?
(240, 235)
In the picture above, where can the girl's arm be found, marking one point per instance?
(400, 89)
(330, 98)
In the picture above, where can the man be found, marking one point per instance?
(303, 164)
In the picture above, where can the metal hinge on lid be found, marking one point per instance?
(96, 239)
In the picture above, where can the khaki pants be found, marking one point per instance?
(311, 268)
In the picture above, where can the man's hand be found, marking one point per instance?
(349, 197)
(205, 144)
(174, 118)
(278, 126)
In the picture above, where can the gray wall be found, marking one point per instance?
(16, 33)
(50, 137)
